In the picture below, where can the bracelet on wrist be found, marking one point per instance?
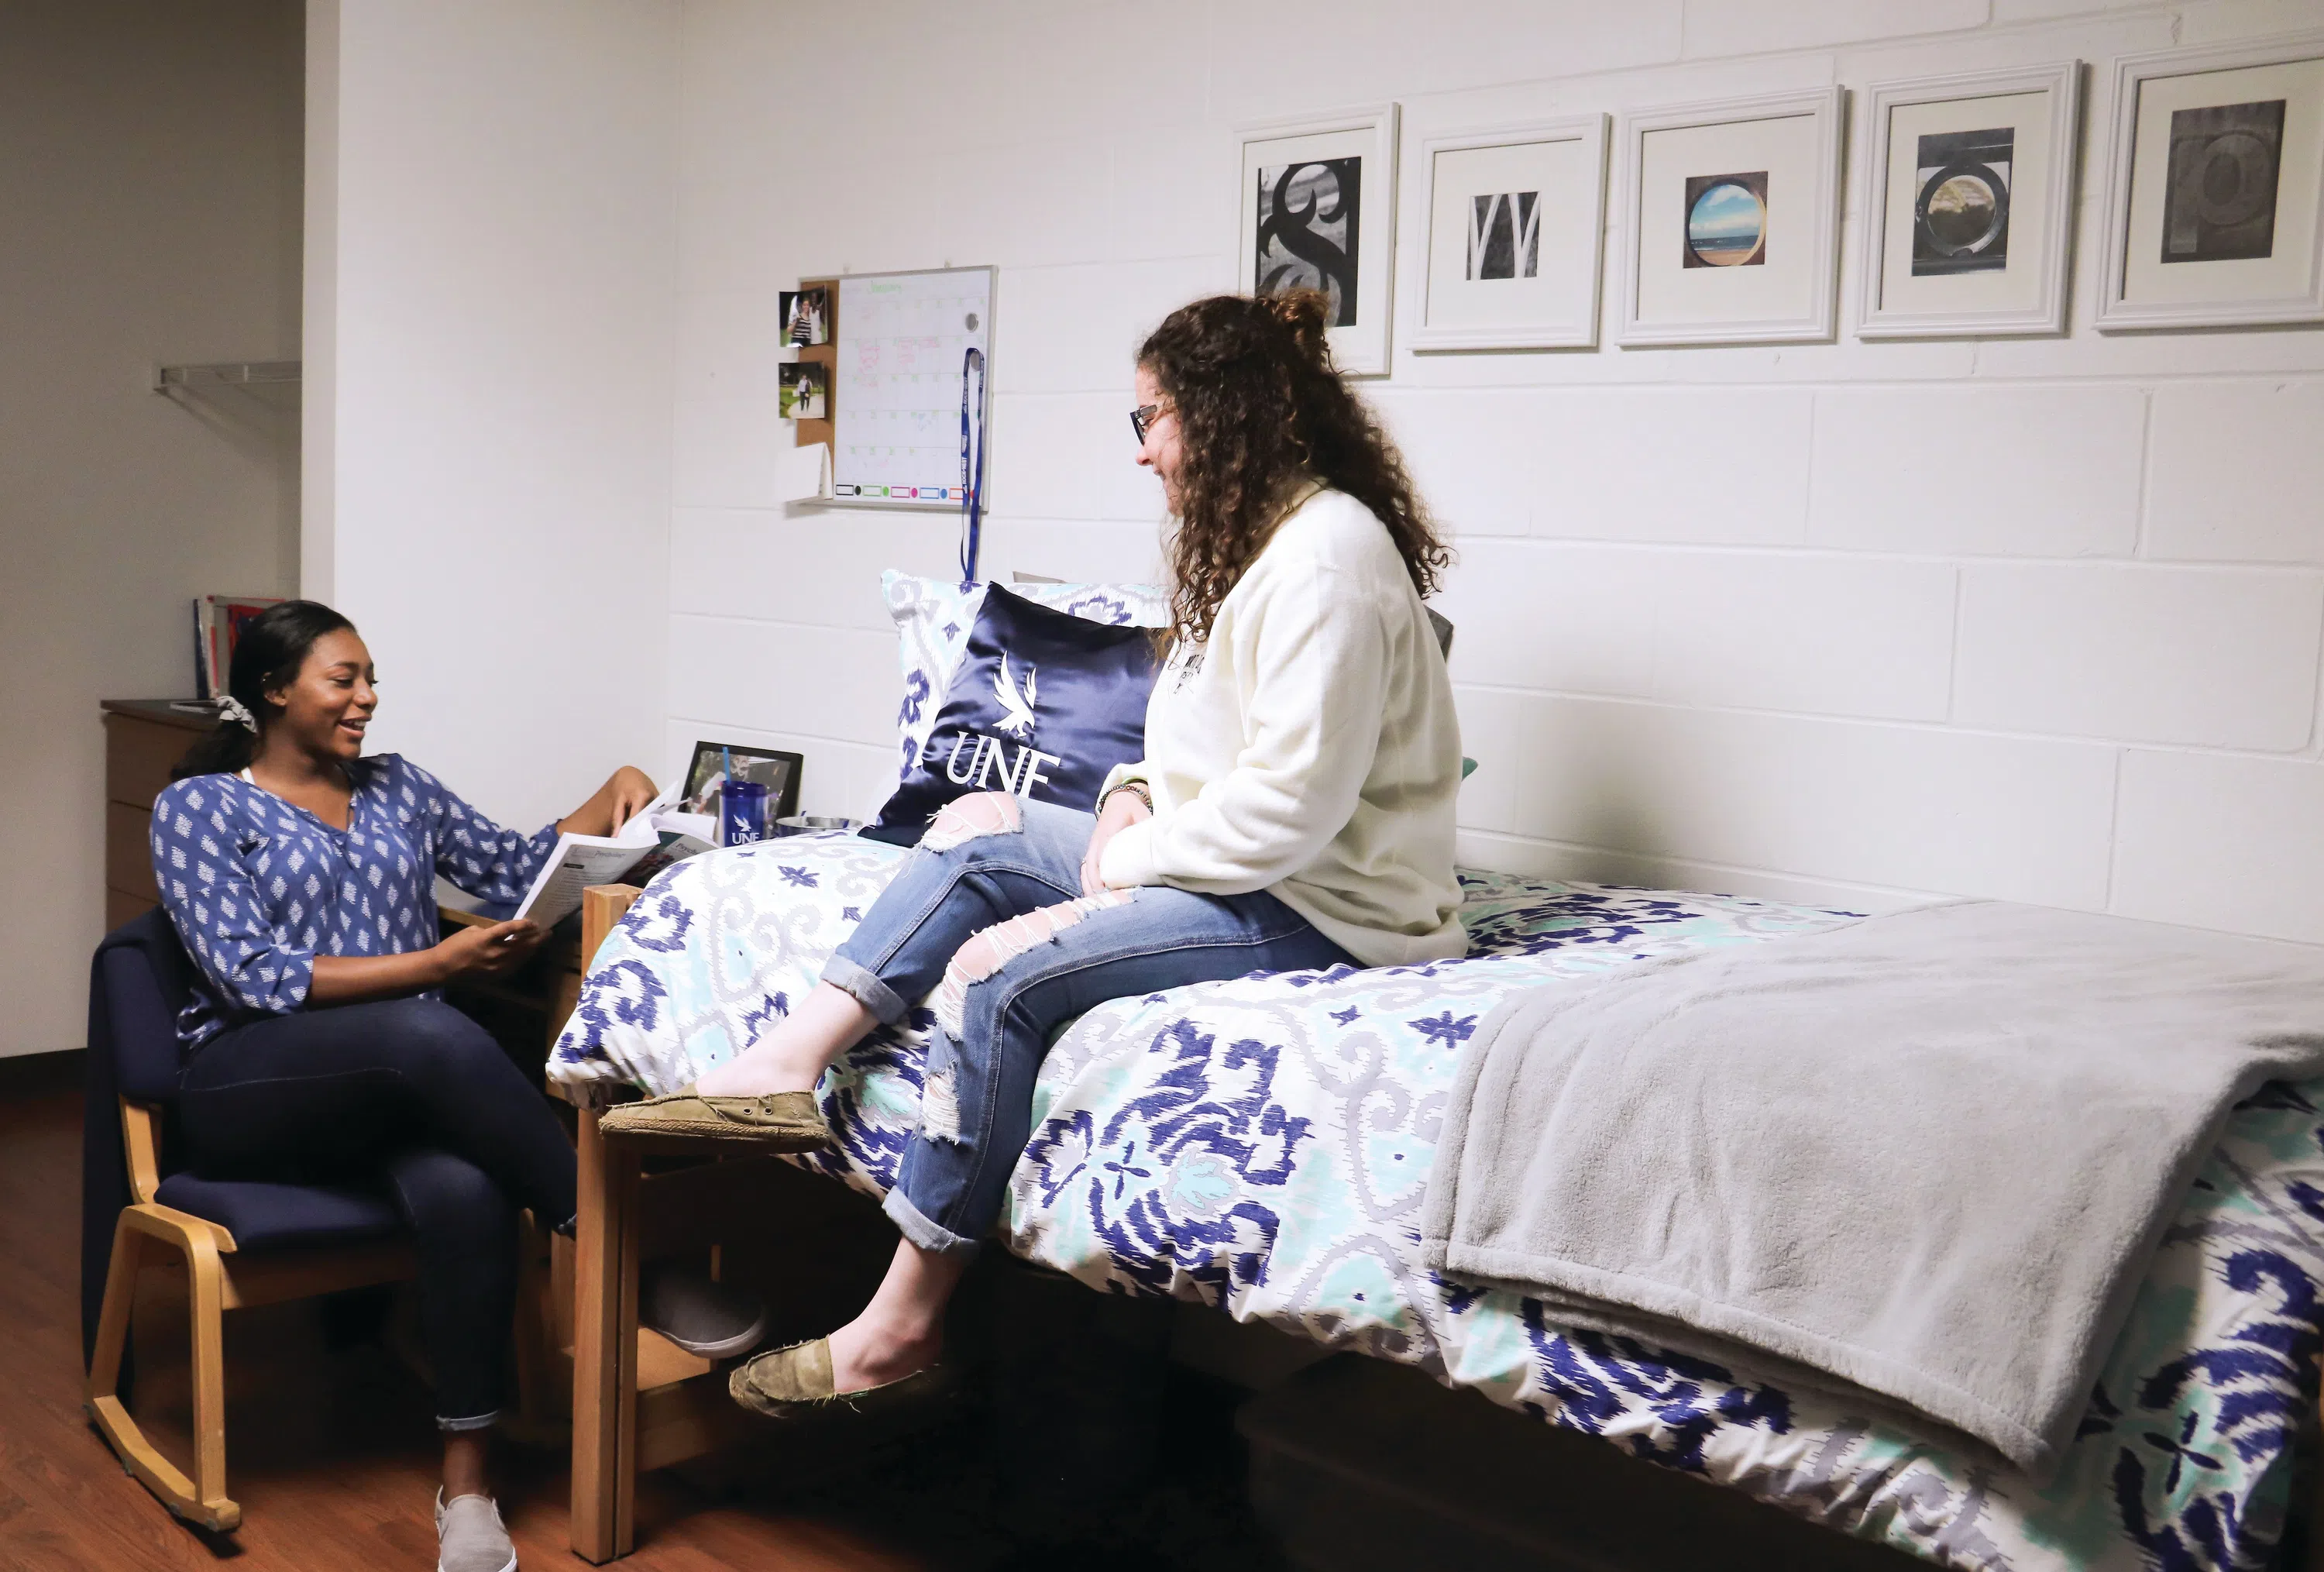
(1135, 788)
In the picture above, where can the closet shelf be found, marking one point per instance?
(267, 378)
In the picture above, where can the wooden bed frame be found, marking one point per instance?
(639, 1401)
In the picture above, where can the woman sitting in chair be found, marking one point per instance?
(1294, 809)
(299, 875)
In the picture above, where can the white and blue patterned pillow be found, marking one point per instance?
(932, 618)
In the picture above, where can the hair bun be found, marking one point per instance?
(1306, 315)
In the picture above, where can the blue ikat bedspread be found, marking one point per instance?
(1263, 1147)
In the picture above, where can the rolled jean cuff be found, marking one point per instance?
(866, 989)
(481, 1422)
(933, 1237)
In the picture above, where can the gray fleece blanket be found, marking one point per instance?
(1921, 1160)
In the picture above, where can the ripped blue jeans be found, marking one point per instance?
(988, 915)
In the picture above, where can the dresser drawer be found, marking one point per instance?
(138, 757)
(119, 908)
(128, 855)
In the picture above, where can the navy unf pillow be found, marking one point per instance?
(1044, 704)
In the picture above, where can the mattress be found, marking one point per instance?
(1262, 1146)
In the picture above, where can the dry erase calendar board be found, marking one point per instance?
(896, 402)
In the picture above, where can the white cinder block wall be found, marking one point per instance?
(489, 279)
(2033, 619)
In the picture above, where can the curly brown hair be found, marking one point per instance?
(1261, 411)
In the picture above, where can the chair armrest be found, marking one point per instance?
(602, 906)
(141, 1143)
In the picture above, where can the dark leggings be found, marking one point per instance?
(411, 1095)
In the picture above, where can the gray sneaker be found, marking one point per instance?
(701, 1314)
(470, 1536)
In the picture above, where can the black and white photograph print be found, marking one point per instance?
(1505, 235)
(1516, 222)
(807, 316)
(1315, 201)
(804, 391)
(1726, 220)
(1310, 230)
(1960, 210)
(2215, 188)
(2218, 202)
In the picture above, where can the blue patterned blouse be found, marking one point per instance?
(259, 888)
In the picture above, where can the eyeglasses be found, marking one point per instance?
(1142, 419)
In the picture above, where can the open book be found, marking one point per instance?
(655, 838)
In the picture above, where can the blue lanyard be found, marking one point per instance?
(972, 470)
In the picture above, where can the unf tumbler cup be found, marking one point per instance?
(741, 813)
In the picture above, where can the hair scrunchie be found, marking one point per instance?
(233, 710)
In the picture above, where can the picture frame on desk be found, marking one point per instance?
(778, 770)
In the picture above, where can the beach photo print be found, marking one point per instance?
(1729, 221)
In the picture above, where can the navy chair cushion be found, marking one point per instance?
(1044, 704)
(271, 1217)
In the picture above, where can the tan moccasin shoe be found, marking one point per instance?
(788, 1382)
(777, 1121)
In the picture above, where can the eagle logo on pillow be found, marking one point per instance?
(1016, 705)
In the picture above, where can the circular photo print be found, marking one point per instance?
(1965, 211)
(1727, 220)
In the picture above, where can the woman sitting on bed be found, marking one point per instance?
(1293, 810)
(301, 876)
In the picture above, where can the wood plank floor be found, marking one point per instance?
(331, 1451)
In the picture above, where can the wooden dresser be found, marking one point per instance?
(144, 738)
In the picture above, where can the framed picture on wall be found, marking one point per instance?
(1969, 202)
(1515, 219)
(2215, 189)
(1318, 210)
(1731, 220)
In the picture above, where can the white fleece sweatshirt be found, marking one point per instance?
(1313, 751)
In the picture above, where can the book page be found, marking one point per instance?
(580, 861)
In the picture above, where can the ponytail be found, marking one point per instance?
(267, 654)
(1262, 412)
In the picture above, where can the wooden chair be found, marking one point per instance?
(239, 1243)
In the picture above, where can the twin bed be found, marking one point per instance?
(1263, 1147)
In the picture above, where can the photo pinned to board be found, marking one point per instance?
(2215, 196)
(803, 391)
(1731, 220)
(806, 317)
(1318, 212)
(1516, 218)
(1968, 189)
